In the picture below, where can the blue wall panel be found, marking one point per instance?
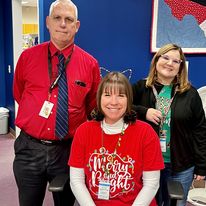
(8, 50)
(2, 64)
(117, 33)
(43, 13)
(6, 58)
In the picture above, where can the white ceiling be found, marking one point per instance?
(29, 3)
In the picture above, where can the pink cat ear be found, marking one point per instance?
(127, 73)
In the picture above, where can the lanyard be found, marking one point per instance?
(55, 82)
(167, 108)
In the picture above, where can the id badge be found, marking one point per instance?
(103, 192)
(163, 144)
(46, 109)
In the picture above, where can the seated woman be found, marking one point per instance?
(115, 159)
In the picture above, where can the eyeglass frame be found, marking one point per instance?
(174, 61)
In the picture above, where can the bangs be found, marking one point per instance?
(114, 86)
(115, 83)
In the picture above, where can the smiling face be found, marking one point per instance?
(113, 104)
(168, 66)
(62, 24)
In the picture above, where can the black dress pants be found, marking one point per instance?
(35, 165)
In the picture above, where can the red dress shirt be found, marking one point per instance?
(32, 82)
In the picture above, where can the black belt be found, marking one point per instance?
(47, 142)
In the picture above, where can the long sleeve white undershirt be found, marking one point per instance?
(78, 187)
(149, 189)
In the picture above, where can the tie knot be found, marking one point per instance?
(61, 58)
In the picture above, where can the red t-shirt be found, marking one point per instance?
(139, 151)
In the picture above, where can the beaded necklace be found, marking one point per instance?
(111, 157)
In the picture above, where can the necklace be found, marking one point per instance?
(111, 157)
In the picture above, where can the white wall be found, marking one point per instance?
(17, 38)
(29, 15)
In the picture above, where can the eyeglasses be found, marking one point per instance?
(167, 59)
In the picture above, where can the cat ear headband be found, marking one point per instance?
(126, 72)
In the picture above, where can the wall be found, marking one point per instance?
(117, 33)
(6, 58)
(29, 20)
(29, 15)
(2, 64)
(43, 13)
(17, 42)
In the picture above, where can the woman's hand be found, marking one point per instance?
(154, 115)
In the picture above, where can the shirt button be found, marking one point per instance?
(55, 95)
(48, 129)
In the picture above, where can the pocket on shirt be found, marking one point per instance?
(78, 92)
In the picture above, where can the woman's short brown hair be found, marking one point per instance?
(120, 84)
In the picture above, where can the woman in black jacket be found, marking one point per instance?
(168, 101)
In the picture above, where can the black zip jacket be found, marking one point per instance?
(188, 125)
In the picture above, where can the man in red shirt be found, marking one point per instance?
(40, 153)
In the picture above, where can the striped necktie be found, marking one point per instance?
(61, 129)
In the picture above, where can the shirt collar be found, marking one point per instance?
(66, 52)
